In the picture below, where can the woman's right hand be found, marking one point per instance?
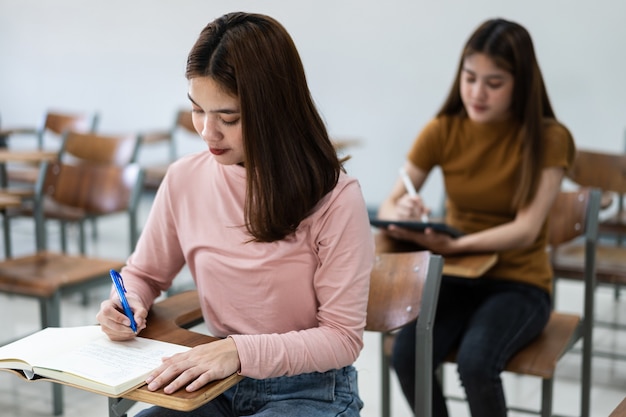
(114, 322)
(411, 208)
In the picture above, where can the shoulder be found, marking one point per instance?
(188, 170)
(438, 136)
(346, 197)
(552, 128)
(347, 187)
(191, 165)
(559, 143)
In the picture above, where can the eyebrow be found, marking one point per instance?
(490, 76)
(223, 111)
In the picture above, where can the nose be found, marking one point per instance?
(209, 130)
(479, 90)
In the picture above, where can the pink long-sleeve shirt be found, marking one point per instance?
(293, 306)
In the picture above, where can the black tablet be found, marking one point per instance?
(417, 226)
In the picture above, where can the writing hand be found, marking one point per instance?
(197, 367)
(411, 208)
(114, 322)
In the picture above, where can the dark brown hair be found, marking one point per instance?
(290, 161)
(511, 48)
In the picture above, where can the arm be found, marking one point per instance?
(149, 270)
(519, 233)
(399, 205)
(331, 334)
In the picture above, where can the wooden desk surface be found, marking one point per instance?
(26, 156)
(164, 323)
(9, 200)
(467, 266)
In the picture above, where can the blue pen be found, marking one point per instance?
(121, 291)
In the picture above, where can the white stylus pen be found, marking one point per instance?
(410, 188)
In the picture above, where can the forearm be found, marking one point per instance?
(311, 350)
(496, 239)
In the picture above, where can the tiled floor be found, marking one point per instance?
(19, 316)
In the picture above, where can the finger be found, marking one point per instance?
(171, 375)
(200, 381)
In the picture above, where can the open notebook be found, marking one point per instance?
(84, 357)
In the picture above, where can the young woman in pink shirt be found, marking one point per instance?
(275, 234)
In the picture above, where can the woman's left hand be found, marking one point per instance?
(439, 243)
(197, 367)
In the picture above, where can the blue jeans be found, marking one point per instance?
(487, 321)
(332, 393)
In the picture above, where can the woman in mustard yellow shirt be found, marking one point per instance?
(503, 155)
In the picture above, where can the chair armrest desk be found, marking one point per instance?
(168, 321)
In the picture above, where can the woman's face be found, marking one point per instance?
(486, 90)
(217, 119)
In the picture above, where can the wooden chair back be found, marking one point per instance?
(76, 192)
(396, 287)
(96, 189)
(568, 216)
(606, 171)
(404, 288)
(155, 171)
(184, 121)
(59, 123)
(98, 148)
(602, 170)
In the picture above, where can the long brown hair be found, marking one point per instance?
(290, 161)
(511, 48)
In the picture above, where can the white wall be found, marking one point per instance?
(377, 70)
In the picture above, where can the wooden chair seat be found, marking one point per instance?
(20, 192)
(51, 210)
(541, 356)
(24, 174)
(44, 273)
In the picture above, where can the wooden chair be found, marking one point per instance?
(607, 172)
(574, 215)
(53, 125)
(404, 288)
(94, 149)
(48, 276)
(154, 172)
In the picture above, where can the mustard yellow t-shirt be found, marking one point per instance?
(480, 165)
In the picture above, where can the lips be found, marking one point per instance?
(216, 151)
(478, 108)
